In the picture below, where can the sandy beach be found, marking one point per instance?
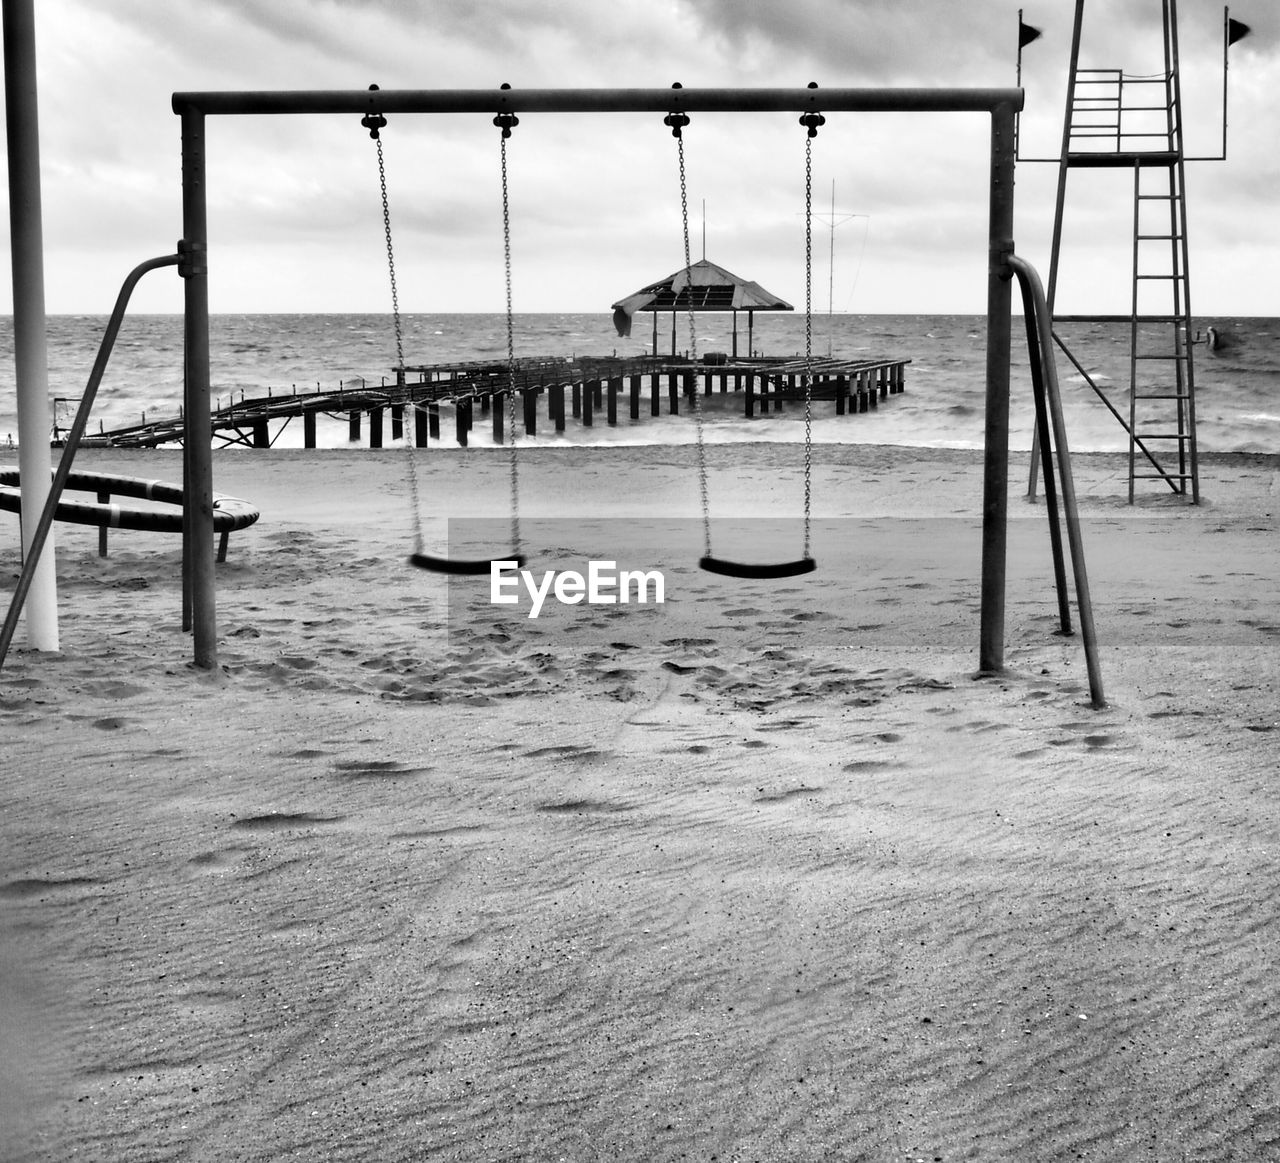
(765, 872)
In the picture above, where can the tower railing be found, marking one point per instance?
(1109, 113)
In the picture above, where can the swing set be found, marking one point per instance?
(506, 122)
(1001, 105)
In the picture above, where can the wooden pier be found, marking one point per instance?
(585, 391)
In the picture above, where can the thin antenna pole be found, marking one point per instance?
(704, 230)
(833, 220)
(831, 272)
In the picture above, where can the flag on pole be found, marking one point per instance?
(1236, 30)
(1026, 34)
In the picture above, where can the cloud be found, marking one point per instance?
(872, 41)
(294, 202)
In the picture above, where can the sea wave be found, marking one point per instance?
(943, 405)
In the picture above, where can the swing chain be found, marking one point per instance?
(505, 121)
(391, 260)
(808, 331)
(678, 121)
(373, 122)
(811, 120)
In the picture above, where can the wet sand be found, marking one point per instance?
(765, 872)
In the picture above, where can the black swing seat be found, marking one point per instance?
(470, 567)
(747, 569)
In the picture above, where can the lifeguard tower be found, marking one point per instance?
(1117, 120)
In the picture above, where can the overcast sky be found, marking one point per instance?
(295, 216)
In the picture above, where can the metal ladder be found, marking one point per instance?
(1118, 121)
(1162, 404)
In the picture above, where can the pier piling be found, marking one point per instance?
(530, 411)
(557, 406)
(595, 385)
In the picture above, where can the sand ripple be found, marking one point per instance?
(769, 875)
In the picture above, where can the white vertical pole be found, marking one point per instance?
(30, 354)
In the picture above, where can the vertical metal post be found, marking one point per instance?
(30, 352)
(197, 496)
(1185, 380)
(103, 499)
(1059, 208)
(995, 497)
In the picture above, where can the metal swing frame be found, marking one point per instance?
(1000, 104)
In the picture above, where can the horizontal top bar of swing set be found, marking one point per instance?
(385, 101)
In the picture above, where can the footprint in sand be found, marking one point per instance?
(276, 821)
(375, 769)
(979, 727)
(584, 807)
(570, 752)
(111, 689)
(110, 723)
(209, 863)
(1093, 742)
(442, 833)
(790, 793)
(29, 887)
(787, 724)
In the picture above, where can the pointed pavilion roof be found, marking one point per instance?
(704, 286)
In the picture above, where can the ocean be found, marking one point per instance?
(1237, 385)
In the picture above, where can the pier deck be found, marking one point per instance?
(580, 389)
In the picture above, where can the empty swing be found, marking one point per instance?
(709, 561)
(420, 558)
